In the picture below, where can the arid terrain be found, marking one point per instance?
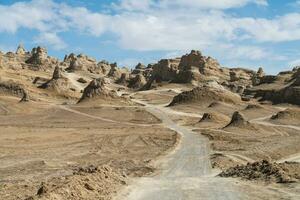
(185, 128)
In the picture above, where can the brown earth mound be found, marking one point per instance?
(96, 89)
(59, 83)
(12, 88)
(266, 171)
(238, 120)
(86, 183)
(137, 82)
(288, 116)
(205, 95)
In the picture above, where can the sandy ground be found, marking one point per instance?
(142, 150)
(40, 142)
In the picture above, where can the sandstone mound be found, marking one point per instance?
(12, 88)
(287, 114)
(238, 120)
(59, 83)
(97, 89)
(214, 117)
(85, 183)
(266, 171)
(282, 91)
(21, 50)
(206, 95)
(82, 62)
(123, 79)
(137, 82)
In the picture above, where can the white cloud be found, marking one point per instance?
(133, 5)
(280, 29)
(35, 14)
(215, 4)
(79, 18)
(51, 39)
(146, 25)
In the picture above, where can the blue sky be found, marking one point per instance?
(239, 33)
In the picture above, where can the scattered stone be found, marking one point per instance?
(25, 97)
(265, 171)
(81, 80)
(42, 190)
(213, 117)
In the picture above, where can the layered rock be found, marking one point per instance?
(194, 66)
(289, 93)
(166, 69)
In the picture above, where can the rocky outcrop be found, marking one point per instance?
(39, 60)
(21, 50)
(81, 63)
(166, 69)
(123, 79)
(38, 56)
(116, 72)
(59, 83)
(137, 82)
(96, 89)
(142, 69)
(104, 67)
(12, 88)
(237, 120)
(57, 73)
(260, 72)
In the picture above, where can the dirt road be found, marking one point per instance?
(184, 174)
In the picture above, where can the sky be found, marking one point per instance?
(238, 33)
